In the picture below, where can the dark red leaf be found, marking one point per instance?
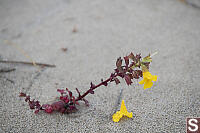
(131, 76)
(132, 64)
(58, 105)
(62, 110)
(36, 111)
(119, 65)
(37, 104)
(139, 73)
(91, 91)
(131, 56)
(74, 100)
(22, 95)
(126, 60)
(27, 98)
(31, 105)
(116, 70)
(79, 94)
(92, 85)
(138, 57)
(61, 97)
(112, 75)
(61, 91)
(119, 62)
(48, 109)
(72, 108)
(45, 105)
(128, 79)
(64, 98)
(77, 103)
(105, 83)
(70, 93)
(116, 80)
(66, 101)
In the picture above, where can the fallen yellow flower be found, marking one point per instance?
(147, 79)
(123, 112)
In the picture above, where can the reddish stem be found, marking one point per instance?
(96, 86)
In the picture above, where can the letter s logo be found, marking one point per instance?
(192, 122)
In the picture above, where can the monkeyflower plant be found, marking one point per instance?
(128, 68)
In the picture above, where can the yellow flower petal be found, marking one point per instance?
(141, 82)
(129, 115)
(154, 78)
(116, 116)
(147, 75)
(123, 112)
(147, 79)
(148, 84)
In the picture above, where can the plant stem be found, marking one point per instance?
(96, 86)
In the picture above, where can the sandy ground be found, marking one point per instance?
(105, 30)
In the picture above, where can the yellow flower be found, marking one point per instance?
(123, 112)
(147, 79)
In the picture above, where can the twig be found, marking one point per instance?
(187, 2)
(5, 70)
(193, 5)
(27, 63)
(21, 51)
(7, 79)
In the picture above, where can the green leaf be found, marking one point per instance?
(144, 68)
(147, 59)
